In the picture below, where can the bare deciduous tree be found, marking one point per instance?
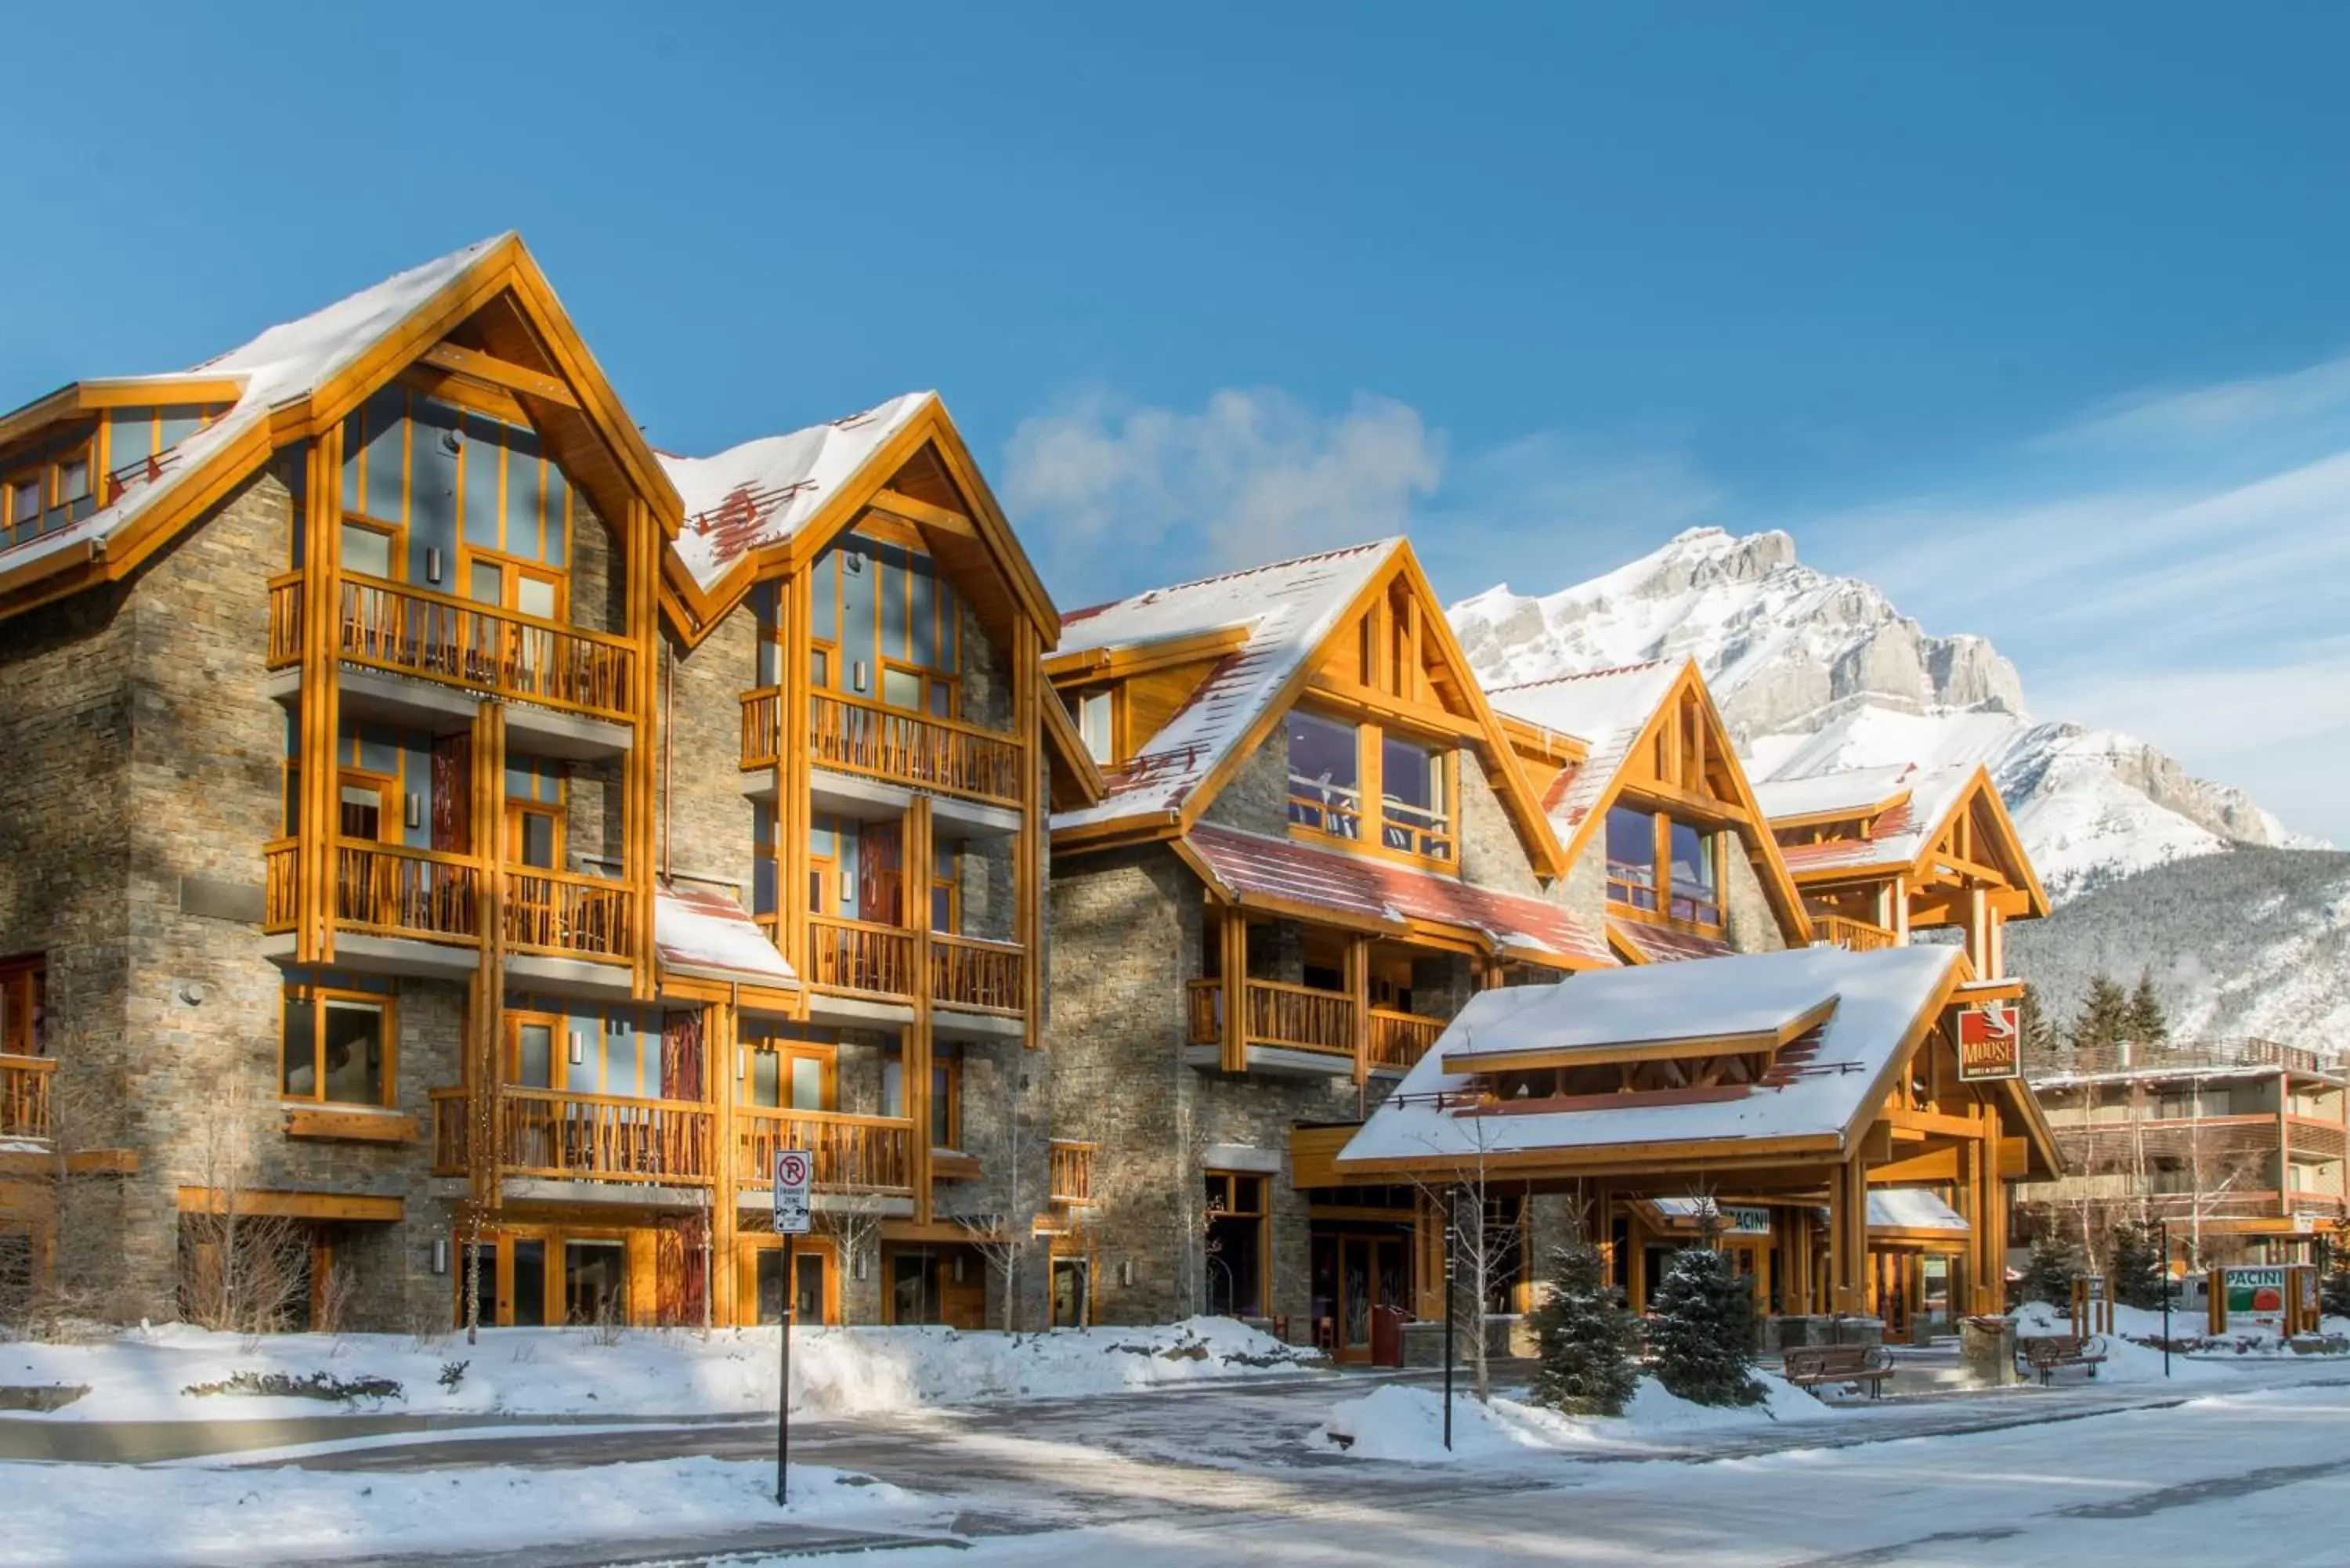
(241, 1272)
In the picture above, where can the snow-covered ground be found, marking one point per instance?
(122, 1516)
(144, 1374)
(1404, 1423)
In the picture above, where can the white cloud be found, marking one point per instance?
(2227, 410)
(1254, 475)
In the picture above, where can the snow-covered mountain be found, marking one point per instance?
(1816, 672)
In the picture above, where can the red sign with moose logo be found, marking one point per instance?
(1990, 1041)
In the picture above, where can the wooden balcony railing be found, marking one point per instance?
(1300, 1018)
(858, 955)
(856, 736)
(451, 1131)
(567, 1136)
(1073, 1171)
(972, 972)
(399, 891)
(279, 862)
(853, 1153)
(414, 631)
(561, 912)
(24, 1095)
(763, 726)
(1205, 1011)
(1399, 1040)
(1853, 936)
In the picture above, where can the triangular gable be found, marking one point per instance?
(1923, 822)
(775, 504)
(1659, 732)
(1977, 829)
(1303, 618)
(299, 381)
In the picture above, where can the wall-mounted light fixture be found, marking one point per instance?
(432, 563)
(857, 1267)
(415, 809)
(450, 442)
(439, 1254)
(848, 886)
(742, 1062)
(1126, 1272)
(857, 675)
(578, 1051)
(958, 1268)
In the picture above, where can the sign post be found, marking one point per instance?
(792, 1173)
(2162, 1228)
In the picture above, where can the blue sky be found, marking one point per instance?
(2037, 316)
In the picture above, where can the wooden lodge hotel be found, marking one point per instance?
(443, 822)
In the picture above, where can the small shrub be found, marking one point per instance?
(451, 1374)
(320, 1386)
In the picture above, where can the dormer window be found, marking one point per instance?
(1417, 818)
(1660, 865)
(1094, 726)
(1324, 775)
(1336, 769)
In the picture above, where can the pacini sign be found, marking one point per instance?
(1991, 1042)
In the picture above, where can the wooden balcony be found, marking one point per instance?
(562, 913)
(762, 717)
(388, 889)
(1280, 1015)
(859, 955)
(1853, 936)
(24, 1095)
(558, 1136)
(871, 1155)
(279, 902)
(480, 648)
(917, 750)
(1399, 1040)
(1073, 1172)
(977, 974)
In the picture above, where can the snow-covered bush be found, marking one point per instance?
(1584, 1336)
(1703, 1339)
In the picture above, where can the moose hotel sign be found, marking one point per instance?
(1989, 1042)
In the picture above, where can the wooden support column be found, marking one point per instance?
(1636, 1263)
(721, 1088)
(1029, 873)
(486, 1070)
(791, 771)
(319, 800)
(1358, 988)
(1854, 1286)
(917, 1044)
(1234, 936)
(1901, 910)
(642, 774)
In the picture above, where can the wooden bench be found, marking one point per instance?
(1809, 1365)
(2047, 1355)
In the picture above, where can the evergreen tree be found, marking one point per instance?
(2103, 1022)
(2334, 1283)
(1584, 1337)
(1703, 1339)
(2048, 1277)
(2143, 1022)
(2138, 1267)
(2032, 1029)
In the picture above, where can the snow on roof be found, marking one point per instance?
(1606, 709)
(1251, 864)
(1878, 996)
(1911, 1208)
(1289, 609)
(1850, 790)
(763, 492)
(700, 930)
(1663, 944)
(1902, 834)
(285, 362)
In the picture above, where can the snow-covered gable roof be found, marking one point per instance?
(1664, 944)
(1850, 792)
(1290, 608)
(1251, 865)
(1606, 709)
(763, 492)
(1881, 1000)
(701, 931)
(287, 361)
(1902, 834)
(1911, 1208)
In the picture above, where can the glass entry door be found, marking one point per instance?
(1373, 1285)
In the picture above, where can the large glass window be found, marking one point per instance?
(337, 1048)
(1235, 1244)
(1632, 858)
(1697, 893)
(1094, 723)
(1324, 775)
(367, 551)
(1415, 817)
(24, 1006)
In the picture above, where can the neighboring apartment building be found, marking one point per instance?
(413, 778)
(2237, 1147)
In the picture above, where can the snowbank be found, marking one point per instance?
(1406, 1423)
(2133, 1351)
(132, 1516)
(142, 1375)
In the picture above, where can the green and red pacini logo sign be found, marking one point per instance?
(2255, 1293)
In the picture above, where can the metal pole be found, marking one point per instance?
(1451, 1214)
(2163, 1228)
(783, 1391)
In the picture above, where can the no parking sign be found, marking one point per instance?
(793, 1171)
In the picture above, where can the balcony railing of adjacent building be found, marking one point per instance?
(391, 889)
(975, 973)
(859, 955)
(1853, 936)
(1073, 1171)
(1302, 1018)
(853, 1154)
(561, 1135)
(482, 648)
(24, 1095)
(2186, 1056)
(922, 751)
